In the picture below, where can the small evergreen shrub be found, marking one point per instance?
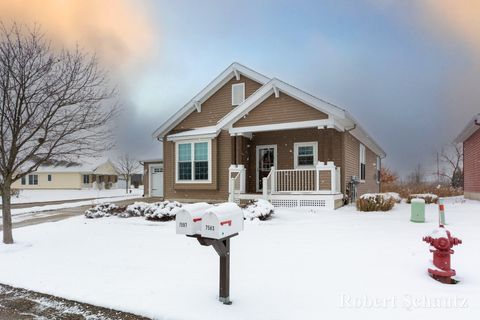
(375, 202)
(259, 209)
(103, 210)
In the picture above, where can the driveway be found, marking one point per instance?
(27, 219)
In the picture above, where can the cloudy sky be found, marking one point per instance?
(409, 70)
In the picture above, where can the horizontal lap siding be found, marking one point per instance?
(471, 165)
(329, 149)
(217, 190)
(280, 110)
(217, 106)
(352, 165)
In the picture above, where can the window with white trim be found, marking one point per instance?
(238, 93)
(363, 162)
(86, 179)
(306, 154)
(378, 167)
(24, 180)
(193, 161)
(49, 178)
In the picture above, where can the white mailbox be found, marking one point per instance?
(222, 221)
(189, 218)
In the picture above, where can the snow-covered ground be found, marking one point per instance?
(61, 194)
(301, 264)
(20, 214)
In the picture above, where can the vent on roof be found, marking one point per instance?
(238, 93)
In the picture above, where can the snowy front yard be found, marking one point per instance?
(298, 265)
(27, 196)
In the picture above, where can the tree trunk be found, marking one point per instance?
(126, 184)
(7, 213)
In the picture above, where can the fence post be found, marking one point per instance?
(273, 181)
(333, 180)
(265, 187)
(231, 189)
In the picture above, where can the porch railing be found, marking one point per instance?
(322, 179)
(236, 181)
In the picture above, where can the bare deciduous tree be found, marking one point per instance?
(417, 176)
(126, 166)
(55, 105)
(452, 160)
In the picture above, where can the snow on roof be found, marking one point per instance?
(211, 131)
(77, 165)
(471, 127)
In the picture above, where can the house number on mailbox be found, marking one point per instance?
(209, 227)
(182, 224)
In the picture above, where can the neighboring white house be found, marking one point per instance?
(81, 174)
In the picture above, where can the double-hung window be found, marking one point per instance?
(33, 179)
(363, 161)
(306, 154)
(86, 179)
(193, 161)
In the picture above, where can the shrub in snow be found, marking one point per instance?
(428, 197)
(375, 202)
(260, 209)
(103, 210)
(136, 209)
(162, 211)
(395, 196)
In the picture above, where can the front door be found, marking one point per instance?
(266, 159)
(156, 180)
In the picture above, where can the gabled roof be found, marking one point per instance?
(472, 126)
(234, 70)
(337, 117)
(274, 86)
(82, 165)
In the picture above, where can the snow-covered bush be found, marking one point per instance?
(162, 211)
(395, 196)
(428, 197)
(136, 209)
(260, 209)
(103, 210)
(375, 202)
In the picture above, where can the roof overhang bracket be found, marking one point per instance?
(276, 91)
(237, 74)
(198, 106)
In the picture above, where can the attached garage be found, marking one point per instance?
(153, 178)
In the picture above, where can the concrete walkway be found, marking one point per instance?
(56, 215)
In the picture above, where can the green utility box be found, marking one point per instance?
(418, 210)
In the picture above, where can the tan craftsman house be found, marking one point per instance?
(80, 174)
(246, 136)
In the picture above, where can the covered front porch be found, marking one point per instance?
(292, 165)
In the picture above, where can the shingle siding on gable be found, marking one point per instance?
(471, 164)
(217, 106)
(280, 110)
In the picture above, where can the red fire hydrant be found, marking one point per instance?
(441, 245)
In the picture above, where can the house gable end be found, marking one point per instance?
(217, 105)
(283, 109)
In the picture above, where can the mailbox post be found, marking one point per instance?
(218, 225)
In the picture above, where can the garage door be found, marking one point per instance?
(156, 178)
